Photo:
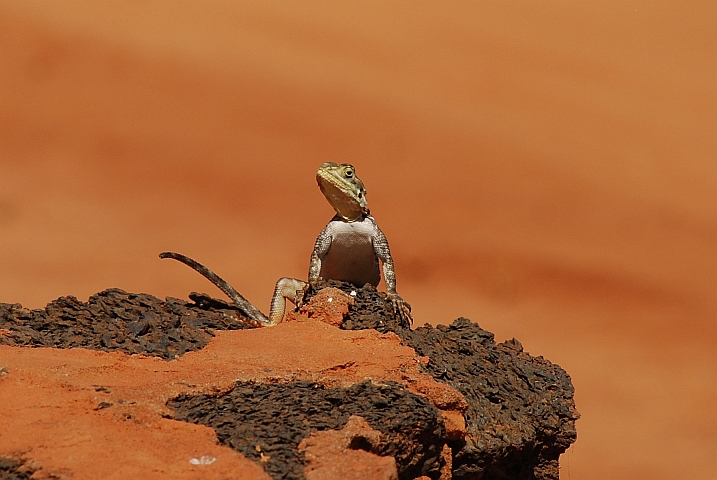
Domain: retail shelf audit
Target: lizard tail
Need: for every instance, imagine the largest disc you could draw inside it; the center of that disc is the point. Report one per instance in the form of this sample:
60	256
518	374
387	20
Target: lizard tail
242	303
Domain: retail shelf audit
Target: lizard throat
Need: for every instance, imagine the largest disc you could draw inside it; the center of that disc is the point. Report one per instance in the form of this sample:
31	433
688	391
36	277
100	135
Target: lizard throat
344	204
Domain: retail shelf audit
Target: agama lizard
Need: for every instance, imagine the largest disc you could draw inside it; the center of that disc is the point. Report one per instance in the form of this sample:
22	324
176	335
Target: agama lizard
348	249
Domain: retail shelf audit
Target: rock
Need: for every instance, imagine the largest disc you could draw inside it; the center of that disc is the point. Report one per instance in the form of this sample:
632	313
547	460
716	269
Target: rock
269	422
346	454
520	412
13	469
453	405
114	320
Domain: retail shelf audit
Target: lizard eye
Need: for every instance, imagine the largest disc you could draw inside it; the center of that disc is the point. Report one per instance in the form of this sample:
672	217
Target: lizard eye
349	173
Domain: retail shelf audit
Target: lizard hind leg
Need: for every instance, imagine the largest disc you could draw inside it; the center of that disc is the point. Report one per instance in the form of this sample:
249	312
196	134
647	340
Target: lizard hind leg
286	289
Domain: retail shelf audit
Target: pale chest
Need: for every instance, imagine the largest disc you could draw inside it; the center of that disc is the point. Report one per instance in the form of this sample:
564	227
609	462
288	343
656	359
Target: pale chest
351	256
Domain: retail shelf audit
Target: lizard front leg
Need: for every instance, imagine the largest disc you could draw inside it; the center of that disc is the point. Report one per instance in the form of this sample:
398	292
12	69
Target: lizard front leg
321	248
400	306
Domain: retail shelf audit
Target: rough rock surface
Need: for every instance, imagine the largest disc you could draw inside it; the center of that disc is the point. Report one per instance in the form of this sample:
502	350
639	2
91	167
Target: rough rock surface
267	422
12	469
68	407
521	413
345	454
369	309
515	416
114	320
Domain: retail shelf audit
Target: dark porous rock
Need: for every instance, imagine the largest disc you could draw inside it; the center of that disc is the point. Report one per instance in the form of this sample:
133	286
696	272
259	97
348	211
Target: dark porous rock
114	320
12	469
267	422
521	413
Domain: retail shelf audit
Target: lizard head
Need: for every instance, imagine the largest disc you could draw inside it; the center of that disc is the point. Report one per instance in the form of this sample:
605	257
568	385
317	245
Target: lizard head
343	189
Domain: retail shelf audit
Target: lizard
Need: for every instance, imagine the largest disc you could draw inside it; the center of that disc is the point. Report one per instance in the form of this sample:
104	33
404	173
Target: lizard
349	249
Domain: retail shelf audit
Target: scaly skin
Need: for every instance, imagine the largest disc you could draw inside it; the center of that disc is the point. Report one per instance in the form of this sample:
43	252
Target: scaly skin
348	248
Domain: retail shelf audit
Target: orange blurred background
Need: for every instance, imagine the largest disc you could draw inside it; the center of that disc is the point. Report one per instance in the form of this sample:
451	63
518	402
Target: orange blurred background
547	169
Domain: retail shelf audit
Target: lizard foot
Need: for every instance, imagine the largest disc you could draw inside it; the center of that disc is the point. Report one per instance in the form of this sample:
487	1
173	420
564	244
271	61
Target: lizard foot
303	292
401	308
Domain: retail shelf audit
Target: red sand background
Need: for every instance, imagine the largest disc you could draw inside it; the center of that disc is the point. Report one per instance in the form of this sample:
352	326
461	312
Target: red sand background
547	169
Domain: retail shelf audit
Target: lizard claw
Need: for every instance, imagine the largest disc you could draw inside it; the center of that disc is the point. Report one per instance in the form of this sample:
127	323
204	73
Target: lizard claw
401	308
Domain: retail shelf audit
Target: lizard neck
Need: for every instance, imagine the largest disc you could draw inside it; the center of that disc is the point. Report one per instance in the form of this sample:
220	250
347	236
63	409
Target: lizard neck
352	218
